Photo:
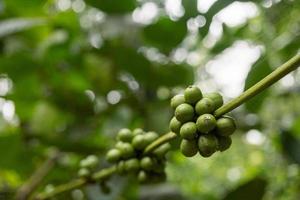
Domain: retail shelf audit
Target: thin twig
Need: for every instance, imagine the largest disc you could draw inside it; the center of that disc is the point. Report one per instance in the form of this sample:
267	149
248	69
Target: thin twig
28	188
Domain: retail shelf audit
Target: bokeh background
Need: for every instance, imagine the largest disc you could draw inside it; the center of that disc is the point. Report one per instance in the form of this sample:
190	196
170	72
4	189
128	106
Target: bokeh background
73	72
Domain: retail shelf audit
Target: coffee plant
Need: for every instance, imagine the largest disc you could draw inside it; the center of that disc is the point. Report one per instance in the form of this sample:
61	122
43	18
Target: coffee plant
164	99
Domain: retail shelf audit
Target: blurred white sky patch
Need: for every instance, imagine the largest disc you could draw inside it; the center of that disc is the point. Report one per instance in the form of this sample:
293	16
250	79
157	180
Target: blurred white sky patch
146	13
204	5
8	110
229	69
255	137
237	13
174	9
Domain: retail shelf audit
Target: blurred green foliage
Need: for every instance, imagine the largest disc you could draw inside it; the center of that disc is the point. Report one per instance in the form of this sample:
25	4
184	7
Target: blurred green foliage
73	72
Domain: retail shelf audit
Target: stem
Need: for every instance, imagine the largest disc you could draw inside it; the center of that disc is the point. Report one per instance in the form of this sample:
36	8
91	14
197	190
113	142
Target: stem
160	141
266	82
37	177
280	72
102	174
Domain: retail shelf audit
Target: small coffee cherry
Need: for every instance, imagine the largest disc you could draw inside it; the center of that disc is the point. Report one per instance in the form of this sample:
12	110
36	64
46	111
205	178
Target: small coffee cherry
207	145
137	131
84	172
127	150
205	123
224	143
184	112
161	151
132	165
119	145
139	142
113	155
189	148
150	137
217	99
192	94
188	131
177	100
142	176
147	163
125	135
89	162
175	125
121	167
225	126
204	106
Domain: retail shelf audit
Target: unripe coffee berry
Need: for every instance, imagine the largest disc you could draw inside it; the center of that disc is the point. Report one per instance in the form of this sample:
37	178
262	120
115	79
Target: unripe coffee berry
84	173
177	100
216	98
132	165
188	131
127	150
224	143
184	112
139	142
142	176
113	155
175	125
150	137
125	135
204	106
161	151
189	148
207	145
121	167
225	126
192	94
147	163
137	131
205	123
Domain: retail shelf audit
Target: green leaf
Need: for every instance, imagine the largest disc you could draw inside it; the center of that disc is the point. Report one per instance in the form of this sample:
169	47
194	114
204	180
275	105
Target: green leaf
258	71
165	34
290	146
253	189
113	6
14	25
190	8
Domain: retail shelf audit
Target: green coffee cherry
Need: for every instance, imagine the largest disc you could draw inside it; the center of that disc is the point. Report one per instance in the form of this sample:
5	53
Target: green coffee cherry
189	148
119	145
188	131
142	176
207	145
175	125
113	155
125	135
225	126
184	112
224	143
147	163
205	123
150	137
84	173
121	167
177	100
139	142
216	97
192	94
89	162
137	131
127	150
132	165
204	106
161	151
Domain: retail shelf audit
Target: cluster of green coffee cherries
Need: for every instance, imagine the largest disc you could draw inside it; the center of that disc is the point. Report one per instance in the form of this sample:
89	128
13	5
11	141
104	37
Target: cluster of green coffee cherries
129	156
195	123
87	166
